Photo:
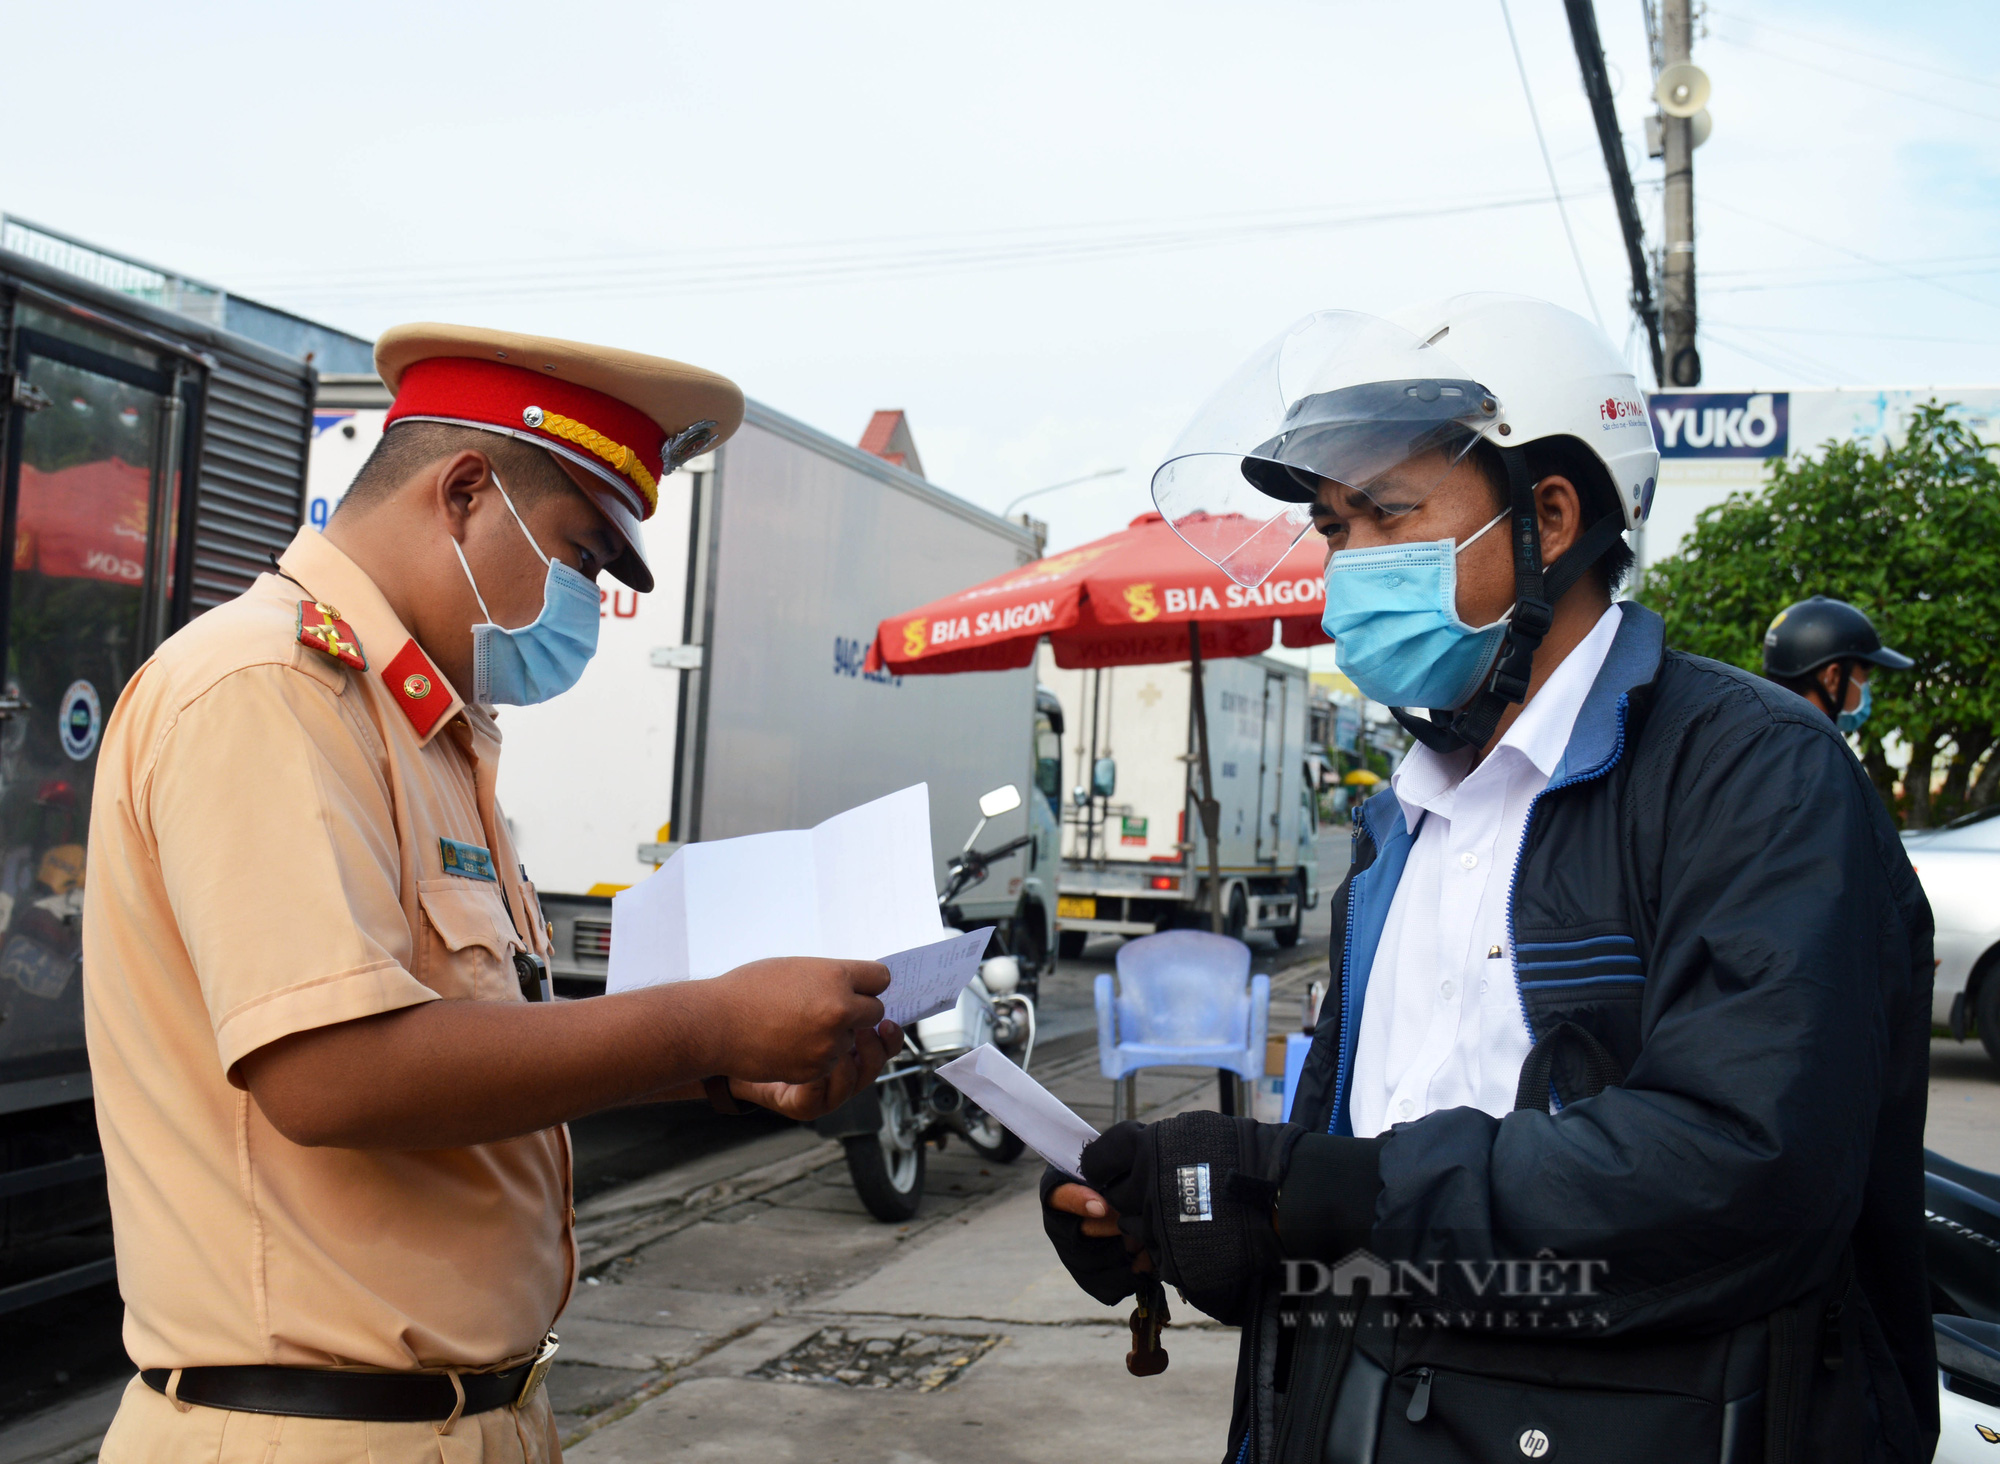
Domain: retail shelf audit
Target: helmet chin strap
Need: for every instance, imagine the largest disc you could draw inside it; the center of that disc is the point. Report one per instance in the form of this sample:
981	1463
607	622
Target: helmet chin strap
1536	592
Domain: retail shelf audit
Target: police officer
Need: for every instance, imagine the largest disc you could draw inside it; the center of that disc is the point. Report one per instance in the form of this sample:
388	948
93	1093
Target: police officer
1825	650
1609	1141
332	1105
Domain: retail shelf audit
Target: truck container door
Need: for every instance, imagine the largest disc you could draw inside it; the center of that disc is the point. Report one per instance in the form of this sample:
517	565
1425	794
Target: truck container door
1271	767
92	466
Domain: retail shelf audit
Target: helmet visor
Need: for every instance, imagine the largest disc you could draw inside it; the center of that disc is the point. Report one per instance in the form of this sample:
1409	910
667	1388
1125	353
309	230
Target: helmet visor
1340	398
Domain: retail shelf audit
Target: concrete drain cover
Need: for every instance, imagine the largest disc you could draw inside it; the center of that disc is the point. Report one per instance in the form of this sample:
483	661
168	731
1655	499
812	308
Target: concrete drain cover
919	1362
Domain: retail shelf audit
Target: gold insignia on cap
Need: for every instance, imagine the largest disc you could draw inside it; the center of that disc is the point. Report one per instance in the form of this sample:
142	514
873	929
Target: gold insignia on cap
687	443
416	686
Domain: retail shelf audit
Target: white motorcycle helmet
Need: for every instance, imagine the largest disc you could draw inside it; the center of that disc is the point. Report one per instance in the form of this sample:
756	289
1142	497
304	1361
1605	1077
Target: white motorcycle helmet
1347	396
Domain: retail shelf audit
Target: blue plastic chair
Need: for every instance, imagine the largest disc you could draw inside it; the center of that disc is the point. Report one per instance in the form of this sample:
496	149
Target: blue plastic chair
1182	1001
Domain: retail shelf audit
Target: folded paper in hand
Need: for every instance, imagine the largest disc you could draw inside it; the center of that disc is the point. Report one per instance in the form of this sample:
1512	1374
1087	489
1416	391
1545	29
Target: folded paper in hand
1035	1116
856	887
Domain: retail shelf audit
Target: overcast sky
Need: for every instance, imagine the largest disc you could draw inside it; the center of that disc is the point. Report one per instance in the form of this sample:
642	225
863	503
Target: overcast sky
1045	231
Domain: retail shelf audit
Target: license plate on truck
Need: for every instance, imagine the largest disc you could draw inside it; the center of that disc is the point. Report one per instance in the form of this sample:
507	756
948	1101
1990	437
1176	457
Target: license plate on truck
1076	907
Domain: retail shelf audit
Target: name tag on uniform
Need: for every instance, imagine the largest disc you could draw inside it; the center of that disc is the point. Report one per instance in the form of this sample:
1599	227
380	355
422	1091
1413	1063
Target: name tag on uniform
468	860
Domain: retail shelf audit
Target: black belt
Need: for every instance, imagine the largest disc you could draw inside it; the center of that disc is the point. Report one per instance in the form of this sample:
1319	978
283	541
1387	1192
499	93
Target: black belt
356	1397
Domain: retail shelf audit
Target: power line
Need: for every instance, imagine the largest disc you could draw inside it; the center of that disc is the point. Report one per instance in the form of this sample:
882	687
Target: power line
1555	188
1783	30
1843	249
1979	259
1838	281
1859	335
1797	365
806	253
1858	80
571	278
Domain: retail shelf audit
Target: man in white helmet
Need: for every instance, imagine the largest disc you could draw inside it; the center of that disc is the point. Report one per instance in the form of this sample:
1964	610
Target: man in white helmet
1610	1140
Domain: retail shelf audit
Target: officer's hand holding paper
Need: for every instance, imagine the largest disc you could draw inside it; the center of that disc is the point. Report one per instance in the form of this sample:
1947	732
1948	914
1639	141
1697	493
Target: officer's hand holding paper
856	887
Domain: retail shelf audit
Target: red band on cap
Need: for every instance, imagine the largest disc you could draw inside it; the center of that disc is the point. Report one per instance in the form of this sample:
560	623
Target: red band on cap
494	394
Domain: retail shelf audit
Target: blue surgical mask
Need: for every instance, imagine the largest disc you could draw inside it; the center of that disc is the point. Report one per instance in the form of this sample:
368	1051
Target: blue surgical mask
1393	614
1850	722
518	668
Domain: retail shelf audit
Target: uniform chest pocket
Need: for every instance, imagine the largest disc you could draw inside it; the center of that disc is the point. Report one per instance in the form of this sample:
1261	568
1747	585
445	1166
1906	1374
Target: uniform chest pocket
466	949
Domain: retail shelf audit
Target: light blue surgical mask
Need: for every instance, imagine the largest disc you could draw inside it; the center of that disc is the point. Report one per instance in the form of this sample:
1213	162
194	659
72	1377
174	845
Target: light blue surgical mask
518	668
1393	614
1850	722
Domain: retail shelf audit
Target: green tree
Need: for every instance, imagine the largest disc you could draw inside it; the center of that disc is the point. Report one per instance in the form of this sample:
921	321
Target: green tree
1911	535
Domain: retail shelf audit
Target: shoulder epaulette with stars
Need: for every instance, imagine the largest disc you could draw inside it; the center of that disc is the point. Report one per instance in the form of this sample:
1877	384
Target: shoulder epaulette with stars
321	627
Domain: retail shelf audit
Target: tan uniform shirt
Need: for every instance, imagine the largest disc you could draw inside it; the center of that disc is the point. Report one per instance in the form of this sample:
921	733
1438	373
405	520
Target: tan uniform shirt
265	859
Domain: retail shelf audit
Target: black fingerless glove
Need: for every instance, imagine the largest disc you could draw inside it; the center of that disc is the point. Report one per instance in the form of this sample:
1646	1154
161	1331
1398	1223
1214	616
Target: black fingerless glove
1197	1191
1102	1267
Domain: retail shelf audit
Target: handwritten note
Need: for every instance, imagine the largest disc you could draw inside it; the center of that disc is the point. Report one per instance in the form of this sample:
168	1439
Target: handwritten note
928	979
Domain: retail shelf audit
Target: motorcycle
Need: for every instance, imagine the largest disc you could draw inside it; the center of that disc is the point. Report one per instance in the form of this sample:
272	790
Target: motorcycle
887	1130
1962	1253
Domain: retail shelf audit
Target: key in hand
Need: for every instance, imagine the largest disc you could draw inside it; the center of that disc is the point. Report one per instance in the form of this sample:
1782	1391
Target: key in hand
1149	1318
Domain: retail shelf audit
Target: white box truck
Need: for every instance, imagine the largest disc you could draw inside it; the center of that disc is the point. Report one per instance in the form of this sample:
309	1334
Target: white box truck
1134	860
732	699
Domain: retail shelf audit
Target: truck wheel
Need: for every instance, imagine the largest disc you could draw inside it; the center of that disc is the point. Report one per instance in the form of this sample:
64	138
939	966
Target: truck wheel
1069	943
1986	1008
1029	946
888	1166
1288	935
1238	918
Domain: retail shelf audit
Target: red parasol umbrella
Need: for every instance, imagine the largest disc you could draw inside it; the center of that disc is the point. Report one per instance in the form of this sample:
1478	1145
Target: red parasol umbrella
1128	599
1136	597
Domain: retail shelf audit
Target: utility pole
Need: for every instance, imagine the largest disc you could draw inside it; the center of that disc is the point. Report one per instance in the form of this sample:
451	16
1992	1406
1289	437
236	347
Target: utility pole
1677	308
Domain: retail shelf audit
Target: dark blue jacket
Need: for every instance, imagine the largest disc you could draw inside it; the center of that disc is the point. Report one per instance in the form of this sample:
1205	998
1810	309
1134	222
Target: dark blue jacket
1710	886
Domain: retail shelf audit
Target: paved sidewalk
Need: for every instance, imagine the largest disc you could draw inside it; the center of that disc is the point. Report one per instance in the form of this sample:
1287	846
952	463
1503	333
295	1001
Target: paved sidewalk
956	1337
747	1307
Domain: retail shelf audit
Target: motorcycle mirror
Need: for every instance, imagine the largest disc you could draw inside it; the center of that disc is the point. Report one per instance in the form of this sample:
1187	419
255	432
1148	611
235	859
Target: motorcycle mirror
999	801
1104	777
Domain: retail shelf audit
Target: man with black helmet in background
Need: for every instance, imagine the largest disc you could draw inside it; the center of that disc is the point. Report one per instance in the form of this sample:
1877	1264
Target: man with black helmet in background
1824	650
1609	1144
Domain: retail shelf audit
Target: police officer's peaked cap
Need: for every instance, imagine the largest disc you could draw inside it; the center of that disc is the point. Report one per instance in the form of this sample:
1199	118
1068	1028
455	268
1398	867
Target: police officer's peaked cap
1819	632
617	421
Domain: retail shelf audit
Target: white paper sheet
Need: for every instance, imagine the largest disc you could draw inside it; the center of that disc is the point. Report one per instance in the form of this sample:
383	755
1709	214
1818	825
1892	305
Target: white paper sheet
927	980
1036	1116
857	887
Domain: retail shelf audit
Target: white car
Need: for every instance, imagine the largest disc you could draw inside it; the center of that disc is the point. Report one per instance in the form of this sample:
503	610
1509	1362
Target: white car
1959	866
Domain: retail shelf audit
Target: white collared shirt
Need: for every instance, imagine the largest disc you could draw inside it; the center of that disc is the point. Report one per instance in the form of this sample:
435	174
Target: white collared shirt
1442	1025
